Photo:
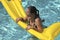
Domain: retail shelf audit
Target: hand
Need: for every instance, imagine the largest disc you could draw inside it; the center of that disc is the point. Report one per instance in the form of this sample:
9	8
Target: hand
18	19
28	27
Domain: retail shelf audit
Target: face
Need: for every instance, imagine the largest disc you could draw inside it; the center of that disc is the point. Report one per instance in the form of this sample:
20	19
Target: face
27	11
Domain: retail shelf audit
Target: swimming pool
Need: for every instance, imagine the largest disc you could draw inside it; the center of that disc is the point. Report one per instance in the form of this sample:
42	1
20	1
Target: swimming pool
9	30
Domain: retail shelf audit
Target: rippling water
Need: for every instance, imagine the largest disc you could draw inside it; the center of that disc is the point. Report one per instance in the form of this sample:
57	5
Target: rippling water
49	10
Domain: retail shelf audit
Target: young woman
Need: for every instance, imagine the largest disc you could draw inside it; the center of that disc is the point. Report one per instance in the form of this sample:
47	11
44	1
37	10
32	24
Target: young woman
33	19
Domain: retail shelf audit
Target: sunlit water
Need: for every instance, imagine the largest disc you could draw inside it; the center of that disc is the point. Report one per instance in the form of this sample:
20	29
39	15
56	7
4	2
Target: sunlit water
49	11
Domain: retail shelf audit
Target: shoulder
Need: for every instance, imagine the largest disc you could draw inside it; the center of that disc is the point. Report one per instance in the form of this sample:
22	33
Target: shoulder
37	19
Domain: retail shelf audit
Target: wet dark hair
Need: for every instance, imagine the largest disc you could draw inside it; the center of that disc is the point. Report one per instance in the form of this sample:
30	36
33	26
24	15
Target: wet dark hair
34	11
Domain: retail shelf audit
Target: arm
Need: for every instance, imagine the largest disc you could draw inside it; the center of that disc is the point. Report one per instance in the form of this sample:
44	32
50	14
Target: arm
21	19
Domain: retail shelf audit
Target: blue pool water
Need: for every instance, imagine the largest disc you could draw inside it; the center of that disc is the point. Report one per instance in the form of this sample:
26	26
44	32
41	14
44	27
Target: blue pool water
49	10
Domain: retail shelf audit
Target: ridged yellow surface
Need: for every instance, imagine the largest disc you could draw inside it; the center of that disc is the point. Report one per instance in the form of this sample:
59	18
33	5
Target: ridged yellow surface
15	10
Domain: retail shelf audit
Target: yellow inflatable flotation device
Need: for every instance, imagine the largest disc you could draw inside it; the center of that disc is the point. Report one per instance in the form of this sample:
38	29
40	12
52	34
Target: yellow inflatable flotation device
15	10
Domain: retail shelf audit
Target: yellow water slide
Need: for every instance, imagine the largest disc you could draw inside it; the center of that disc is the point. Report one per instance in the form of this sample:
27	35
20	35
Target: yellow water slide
15	10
